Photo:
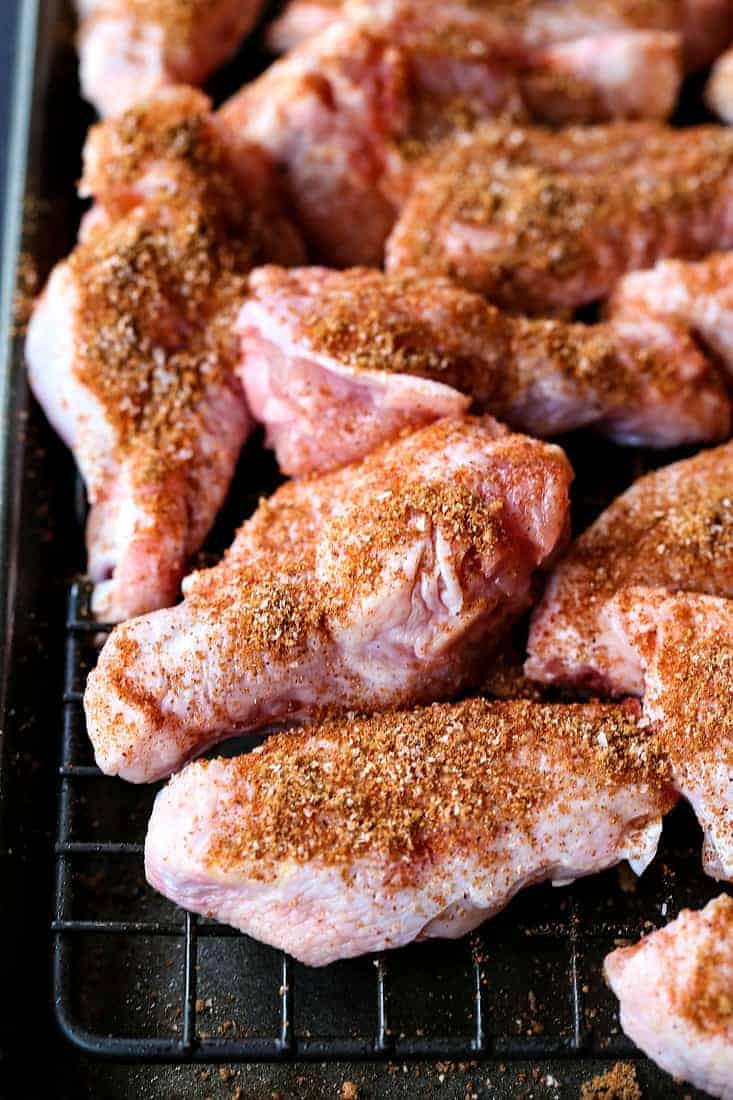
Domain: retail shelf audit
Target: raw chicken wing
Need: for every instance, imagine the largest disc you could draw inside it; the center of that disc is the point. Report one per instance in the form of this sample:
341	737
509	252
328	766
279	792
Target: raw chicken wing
381	585
131	48
366	834
672	528
334	363
349	112
684	646
538	221
173	147
675	990
706	25
698	296
130	349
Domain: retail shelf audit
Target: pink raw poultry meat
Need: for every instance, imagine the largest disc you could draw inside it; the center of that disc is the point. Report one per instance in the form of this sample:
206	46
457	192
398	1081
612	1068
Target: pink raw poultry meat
381	585
684	646
348	112
334	363
698	296
704	24
539	221
366	834
131	48
130	349
173	147
673	529
675	989
333	115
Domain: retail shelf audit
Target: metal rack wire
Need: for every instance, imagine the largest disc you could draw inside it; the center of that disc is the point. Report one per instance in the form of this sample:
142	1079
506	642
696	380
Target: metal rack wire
548	954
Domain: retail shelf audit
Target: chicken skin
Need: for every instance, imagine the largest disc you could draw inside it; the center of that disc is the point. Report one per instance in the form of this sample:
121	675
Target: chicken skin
705	25
684	646
303	19
538	221
719	92
359	835
130	351
130	48
334	363
675	990
348	113
174	148
698	296
673	529
384	584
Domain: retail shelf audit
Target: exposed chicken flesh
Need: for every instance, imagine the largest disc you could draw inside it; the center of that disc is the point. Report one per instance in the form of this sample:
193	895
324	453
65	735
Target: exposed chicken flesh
706	25
334	363
672	528
130	352
347	113
698	296
684	646
384	584
675	990
719	92
538	221
366	834
131	48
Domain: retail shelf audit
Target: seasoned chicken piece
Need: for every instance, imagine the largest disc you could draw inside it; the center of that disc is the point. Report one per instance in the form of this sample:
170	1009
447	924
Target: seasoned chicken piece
173	146
675	990
333	115
347	113
684	646
334	363
131	48
672	528
698	296
719	92
382	585
704	24
368	833
130	351
539	221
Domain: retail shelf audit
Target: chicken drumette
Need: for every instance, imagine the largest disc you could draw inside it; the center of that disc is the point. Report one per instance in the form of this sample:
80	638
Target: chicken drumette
347	114
384	584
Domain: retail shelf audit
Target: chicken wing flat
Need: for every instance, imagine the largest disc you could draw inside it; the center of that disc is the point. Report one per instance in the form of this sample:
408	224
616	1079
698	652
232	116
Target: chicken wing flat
672	528
540	221
675	990
131	48
334	363
384	584
684	646
719	92
130	348
367	834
